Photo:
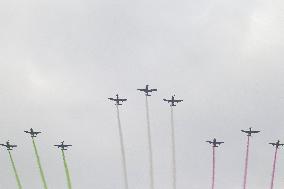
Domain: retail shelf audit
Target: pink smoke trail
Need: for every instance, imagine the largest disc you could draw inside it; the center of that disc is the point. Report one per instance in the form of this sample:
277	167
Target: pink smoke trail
273	168
213	168
246	164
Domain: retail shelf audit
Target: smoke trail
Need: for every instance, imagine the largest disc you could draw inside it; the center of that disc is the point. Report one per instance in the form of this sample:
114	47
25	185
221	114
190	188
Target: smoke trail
273	168
150	146
122	149
213	168
66	170
39	165
246	164
173	149
15	171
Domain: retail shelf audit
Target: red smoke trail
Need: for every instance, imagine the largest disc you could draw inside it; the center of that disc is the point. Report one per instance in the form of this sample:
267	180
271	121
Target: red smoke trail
273	169
246	164
213	168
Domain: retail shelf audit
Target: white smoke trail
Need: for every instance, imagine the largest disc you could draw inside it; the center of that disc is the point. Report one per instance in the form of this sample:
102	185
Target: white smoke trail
213	168
149	145
173	149
122	150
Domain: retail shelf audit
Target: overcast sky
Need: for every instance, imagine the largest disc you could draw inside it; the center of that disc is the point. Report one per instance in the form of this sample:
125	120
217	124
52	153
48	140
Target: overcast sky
61	59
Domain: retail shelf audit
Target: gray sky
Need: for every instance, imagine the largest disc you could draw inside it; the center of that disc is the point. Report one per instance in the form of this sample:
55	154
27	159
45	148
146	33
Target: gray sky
61	60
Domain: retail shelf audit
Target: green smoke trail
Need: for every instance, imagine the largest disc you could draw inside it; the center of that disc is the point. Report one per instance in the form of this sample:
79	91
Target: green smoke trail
66	170
39	165
15	171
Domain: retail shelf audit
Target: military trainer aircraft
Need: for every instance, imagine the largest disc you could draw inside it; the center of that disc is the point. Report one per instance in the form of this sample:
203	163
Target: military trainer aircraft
32	133
249	132
276	144
63	146
172	101
147	90
9	146
117	100
215	143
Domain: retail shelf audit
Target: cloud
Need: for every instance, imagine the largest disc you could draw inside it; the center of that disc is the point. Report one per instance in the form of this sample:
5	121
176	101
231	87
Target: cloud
60	61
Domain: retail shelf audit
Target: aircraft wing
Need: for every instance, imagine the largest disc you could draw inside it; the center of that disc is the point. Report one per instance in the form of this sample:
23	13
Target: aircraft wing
151	90
255	131
13	146
178	101
111	98
273	144
37	133
219	143
210	142
244	131
141	89
123	99
167	100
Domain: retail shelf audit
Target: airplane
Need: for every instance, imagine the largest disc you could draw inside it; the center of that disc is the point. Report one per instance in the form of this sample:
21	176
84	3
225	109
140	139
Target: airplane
32	133
173	101
63	146
276	144
147	90
117	100
249	132
215	143
9	146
